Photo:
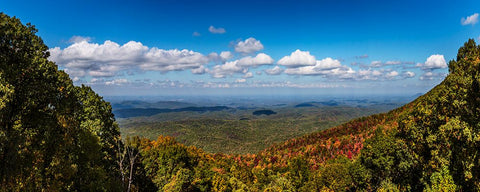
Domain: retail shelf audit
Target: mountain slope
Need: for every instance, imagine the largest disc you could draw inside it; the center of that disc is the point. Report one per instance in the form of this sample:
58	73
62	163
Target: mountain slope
436	137
430	144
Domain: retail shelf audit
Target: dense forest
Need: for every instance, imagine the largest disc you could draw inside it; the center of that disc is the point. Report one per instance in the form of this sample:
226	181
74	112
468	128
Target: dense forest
55	136
240	132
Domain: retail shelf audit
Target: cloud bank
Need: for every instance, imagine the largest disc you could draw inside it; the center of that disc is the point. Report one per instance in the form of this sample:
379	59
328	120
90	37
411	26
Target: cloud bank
105	60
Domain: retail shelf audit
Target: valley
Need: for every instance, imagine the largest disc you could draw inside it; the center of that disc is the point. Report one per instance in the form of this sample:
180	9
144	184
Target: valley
242	126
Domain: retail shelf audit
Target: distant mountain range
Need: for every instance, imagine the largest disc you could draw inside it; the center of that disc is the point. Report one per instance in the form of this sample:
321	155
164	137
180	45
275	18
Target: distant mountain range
137	112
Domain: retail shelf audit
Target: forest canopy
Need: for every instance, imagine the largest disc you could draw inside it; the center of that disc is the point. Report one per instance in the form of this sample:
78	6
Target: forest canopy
53	135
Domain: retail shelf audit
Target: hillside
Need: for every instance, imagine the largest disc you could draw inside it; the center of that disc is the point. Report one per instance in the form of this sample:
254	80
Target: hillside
240	131
430	144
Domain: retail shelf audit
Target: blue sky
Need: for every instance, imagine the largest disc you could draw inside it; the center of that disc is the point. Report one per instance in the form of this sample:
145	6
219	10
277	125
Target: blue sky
252	47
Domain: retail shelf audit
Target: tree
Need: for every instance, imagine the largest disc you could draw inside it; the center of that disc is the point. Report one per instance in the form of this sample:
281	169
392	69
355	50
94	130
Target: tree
53	135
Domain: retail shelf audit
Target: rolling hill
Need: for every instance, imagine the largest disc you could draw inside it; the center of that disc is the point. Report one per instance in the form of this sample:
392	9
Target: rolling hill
239	131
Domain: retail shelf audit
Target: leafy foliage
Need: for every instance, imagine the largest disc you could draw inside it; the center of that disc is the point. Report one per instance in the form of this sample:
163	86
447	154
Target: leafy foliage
53	136
230	134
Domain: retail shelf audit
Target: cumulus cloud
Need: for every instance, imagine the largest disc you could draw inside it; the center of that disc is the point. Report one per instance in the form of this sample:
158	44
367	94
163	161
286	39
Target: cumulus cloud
433	62
226	55
298	59
325	67
274	71
214	30
220	58
408	74
369	75
248	75
327	63
250	45
105	60
196	34
391	74
199	70
260	59
240	66
227	69
470	20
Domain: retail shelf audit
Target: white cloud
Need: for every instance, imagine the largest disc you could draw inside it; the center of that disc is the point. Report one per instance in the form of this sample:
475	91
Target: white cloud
260	59
227	69
199	70
95	80
75	72
116	82
369	75
196	34
382	74
78	39
101	73
470	20
248	75
75	79
393	63
327	67
433	62
298	59
226	55
262	84
240	66
170	60
240	81
327	63
250	45
101	60
274	71
391	74
214	30
408	74
376	64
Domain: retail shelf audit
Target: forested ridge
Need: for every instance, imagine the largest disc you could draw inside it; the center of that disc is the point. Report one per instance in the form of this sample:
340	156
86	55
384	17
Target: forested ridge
55	136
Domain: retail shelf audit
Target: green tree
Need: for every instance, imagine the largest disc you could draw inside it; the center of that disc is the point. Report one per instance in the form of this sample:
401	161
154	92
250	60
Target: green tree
51	136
